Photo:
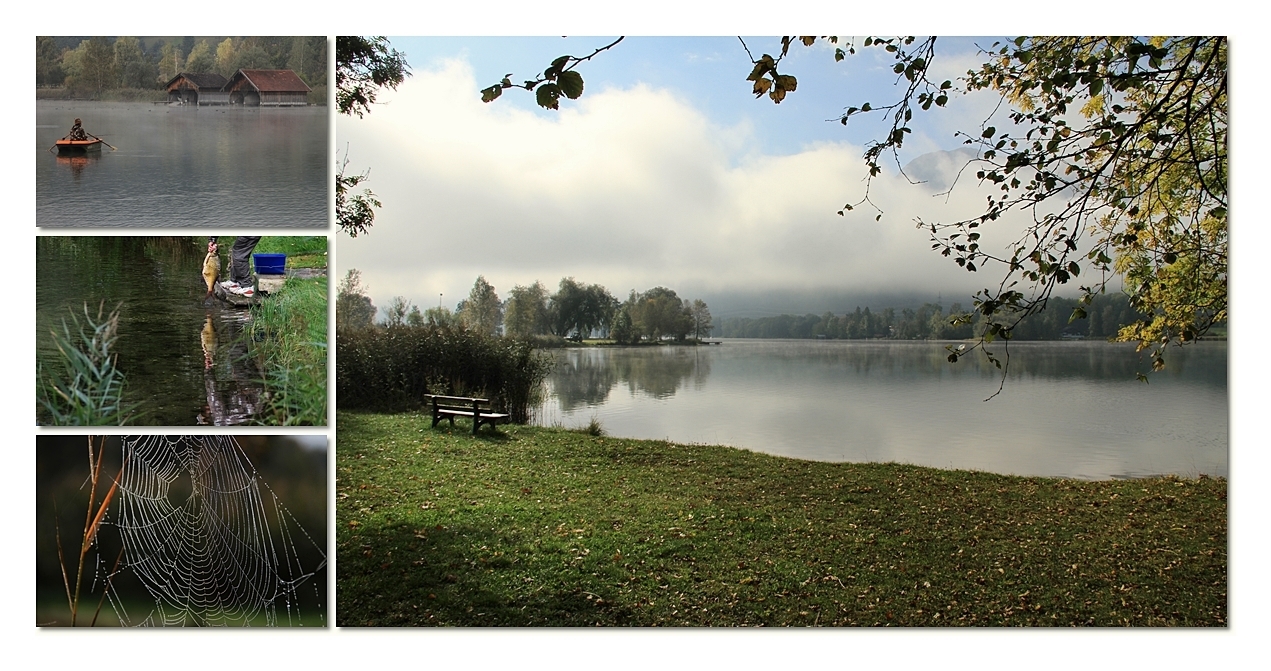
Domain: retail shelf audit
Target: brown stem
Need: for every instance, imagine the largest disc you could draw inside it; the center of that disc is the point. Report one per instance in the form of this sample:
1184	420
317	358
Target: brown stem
61	560
106	590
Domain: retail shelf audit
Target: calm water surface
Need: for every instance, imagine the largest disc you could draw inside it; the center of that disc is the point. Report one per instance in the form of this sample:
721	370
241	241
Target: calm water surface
184	166
185	360
1069	409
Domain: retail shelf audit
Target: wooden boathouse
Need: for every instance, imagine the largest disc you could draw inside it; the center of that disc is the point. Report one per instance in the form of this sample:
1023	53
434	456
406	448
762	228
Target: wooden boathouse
198	88
266	88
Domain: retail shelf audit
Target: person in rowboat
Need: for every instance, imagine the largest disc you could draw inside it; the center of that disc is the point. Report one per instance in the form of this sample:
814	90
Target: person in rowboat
77	132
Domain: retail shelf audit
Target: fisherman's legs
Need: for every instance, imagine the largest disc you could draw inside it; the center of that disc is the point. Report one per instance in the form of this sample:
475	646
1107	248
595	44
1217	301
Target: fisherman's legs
241	259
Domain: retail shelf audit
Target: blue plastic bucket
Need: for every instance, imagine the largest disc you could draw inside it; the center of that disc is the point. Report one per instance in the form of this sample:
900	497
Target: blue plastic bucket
270	264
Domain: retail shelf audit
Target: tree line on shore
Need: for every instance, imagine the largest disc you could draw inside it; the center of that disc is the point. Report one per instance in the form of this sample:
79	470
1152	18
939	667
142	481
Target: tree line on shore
90	67
1104	317
574	312
578	310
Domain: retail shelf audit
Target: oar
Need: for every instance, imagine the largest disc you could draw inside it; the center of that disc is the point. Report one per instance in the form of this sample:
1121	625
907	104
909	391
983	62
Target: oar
55	144
102	141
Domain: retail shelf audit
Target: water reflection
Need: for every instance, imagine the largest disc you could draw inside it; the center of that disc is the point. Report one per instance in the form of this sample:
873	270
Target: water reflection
185	363
207	338
77	164
1070	409
584	377
232	388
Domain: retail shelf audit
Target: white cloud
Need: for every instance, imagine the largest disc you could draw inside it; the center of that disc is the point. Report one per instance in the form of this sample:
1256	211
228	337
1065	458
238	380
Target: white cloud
629	188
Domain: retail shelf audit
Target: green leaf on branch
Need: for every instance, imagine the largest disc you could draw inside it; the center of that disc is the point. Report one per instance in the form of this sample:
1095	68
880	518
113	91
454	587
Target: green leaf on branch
571	84
548	96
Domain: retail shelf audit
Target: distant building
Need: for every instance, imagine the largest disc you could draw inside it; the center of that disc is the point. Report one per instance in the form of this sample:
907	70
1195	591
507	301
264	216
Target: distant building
197	88
266	88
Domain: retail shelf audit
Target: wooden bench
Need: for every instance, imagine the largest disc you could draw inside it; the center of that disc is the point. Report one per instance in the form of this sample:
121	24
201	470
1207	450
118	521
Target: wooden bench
450	407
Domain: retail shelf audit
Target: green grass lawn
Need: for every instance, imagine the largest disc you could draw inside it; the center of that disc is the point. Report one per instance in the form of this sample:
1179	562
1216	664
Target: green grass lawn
303	251
51	611
534	526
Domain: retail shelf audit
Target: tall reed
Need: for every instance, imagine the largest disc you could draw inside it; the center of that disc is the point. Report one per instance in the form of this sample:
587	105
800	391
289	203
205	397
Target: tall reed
89	389
289	336
389	369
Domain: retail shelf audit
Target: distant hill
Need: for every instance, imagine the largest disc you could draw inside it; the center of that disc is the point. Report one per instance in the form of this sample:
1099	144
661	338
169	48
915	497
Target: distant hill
770	303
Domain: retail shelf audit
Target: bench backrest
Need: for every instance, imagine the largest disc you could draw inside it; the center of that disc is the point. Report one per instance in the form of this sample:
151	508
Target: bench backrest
460	401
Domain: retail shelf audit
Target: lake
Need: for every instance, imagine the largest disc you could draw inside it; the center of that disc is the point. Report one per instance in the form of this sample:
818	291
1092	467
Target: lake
1068	409
185	360
183	166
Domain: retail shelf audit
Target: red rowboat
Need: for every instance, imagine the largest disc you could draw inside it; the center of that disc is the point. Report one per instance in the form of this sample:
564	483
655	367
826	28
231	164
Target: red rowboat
71	147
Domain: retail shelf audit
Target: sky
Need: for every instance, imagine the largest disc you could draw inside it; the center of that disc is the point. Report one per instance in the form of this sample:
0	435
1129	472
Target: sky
666	172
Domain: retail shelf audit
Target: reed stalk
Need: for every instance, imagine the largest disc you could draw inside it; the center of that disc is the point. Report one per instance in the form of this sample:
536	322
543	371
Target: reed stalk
88	391
94	514
389	369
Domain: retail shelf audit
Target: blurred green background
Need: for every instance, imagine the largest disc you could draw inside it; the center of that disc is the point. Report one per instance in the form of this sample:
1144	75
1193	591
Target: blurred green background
293	467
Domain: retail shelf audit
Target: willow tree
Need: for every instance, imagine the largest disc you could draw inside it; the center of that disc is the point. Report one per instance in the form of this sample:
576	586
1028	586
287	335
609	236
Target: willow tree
577	309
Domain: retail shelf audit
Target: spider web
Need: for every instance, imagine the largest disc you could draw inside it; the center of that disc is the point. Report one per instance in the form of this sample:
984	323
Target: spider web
208	539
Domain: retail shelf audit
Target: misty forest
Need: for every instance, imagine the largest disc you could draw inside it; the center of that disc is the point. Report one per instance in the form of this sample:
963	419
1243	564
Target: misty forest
137	68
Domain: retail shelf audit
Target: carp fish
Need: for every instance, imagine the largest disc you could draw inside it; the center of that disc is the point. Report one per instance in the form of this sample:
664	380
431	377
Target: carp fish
211	268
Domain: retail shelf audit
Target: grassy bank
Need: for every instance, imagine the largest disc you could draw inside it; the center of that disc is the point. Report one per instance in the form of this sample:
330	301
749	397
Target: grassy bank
536	526
108	95
289	337
303	251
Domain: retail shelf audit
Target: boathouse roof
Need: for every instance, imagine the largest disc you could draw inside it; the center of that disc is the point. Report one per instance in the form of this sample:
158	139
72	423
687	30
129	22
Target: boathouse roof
267	81
202	81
